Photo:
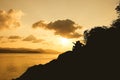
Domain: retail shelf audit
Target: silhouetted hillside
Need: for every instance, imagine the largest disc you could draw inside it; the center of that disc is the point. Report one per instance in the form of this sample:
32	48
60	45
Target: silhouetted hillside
98	59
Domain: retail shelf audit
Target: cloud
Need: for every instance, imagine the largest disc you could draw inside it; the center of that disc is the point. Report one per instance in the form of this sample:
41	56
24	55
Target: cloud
12	41
39	24
1	37
37	40
3	41
14	37
30	38
33	39
10	19
66	28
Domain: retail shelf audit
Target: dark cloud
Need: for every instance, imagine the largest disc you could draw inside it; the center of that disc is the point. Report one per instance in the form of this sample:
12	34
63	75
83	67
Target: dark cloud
3	41
14	37
1	37
66	28
30	38
12	41
39	24
10	19
37	41
33	39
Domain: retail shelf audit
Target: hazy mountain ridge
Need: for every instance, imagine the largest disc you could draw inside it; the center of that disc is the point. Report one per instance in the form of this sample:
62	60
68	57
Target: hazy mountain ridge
25	50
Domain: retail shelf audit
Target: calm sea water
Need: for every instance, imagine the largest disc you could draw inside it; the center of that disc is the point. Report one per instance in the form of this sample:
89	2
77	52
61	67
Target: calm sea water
13	65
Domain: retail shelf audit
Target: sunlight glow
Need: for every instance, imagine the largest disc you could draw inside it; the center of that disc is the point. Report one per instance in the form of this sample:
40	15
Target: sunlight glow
64	41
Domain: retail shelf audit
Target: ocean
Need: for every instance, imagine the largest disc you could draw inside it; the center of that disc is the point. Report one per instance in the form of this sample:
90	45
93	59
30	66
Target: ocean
12	65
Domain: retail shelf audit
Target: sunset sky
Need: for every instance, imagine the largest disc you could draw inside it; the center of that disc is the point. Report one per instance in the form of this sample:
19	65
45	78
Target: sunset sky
51	24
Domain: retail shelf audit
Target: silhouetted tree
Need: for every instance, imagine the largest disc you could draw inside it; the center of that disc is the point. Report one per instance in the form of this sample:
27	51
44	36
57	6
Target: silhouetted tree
77	47
94	34
116	23
118	10
99	58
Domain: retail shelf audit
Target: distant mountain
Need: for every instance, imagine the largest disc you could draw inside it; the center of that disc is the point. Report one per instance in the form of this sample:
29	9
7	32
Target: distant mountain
51	51
19	50
25	50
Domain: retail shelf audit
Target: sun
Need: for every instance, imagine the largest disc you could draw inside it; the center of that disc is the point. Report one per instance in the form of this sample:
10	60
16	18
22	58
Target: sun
64	41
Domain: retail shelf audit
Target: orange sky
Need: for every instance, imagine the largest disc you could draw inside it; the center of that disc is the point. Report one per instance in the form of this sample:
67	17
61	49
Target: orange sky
58	23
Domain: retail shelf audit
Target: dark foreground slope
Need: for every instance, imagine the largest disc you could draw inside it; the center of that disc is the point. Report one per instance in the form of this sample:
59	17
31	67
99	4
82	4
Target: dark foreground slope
99	59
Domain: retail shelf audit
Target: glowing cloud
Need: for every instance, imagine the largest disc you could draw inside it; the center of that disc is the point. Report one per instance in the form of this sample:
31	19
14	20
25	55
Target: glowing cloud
65	28
10	19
